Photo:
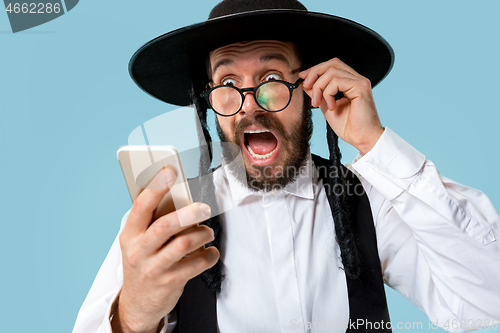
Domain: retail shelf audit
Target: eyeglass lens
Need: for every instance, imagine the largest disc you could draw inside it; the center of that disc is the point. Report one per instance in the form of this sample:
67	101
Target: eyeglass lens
272	96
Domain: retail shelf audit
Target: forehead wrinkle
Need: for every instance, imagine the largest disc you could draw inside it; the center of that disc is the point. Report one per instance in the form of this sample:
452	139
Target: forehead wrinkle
263	59
277	50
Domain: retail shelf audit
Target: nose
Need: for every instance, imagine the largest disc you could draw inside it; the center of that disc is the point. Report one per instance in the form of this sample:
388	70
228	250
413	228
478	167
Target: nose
249	104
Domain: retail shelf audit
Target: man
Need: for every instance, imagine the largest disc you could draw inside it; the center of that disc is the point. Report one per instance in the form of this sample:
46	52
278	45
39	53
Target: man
285	267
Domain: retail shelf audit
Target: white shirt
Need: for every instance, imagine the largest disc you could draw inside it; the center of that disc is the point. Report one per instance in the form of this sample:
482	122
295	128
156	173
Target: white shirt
435	237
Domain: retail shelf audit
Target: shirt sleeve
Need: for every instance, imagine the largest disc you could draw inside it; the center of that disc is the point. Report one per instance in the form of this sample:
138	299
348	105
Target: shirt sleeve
436	238
98	308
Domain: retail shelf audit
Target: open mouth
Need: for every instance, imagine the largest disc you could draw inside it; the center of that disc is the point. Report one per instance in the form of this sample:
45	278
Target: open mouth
262	145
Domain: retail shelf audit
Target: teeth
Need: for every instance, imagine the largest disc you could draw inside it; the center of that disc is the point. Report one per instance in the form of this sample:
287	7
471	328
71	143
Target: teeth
260	157
257	131
257	156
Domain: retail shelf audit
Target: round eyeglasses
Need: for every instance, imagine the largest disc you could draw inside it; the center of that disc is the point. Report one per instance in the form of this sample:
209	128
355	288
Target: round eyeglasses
272	96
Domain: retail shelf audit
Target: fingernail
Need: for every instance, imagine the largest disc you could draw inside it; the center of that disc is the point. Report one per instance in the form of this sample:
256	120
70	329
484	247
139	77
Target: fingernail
167	177
205	209
213	255
213	235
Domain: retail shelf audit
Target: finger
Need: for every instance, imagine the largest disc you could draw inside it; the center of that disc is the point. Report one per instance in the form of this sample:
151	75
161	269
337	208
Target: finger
192	266
339	95
331	75
169	225
337	63
350	87
317	71
184	244
317	92
331	99
358	83
311	77
303	74
353	88
329	96
313	73
319	86
308	92
332	93
144	205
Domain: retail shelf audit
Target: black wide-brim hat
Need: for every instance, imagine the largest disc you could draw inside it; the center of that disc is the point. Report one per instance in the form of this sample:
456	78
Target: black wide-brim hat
168	66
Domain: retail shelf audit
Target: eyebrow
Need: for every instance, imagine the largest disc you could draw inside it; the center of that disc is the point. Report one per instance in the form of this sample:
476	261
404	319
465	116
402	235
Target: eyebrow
274	56
264	58
223	62
279	57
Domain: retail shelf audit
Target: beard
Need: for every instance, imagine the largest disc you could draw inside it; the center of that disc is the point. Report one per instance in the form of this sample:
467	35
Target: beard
294	148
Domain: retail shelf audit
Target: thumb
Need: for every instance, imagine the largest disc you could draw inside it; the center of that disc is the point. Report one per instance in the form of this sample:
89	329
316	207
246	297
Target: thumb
308	92
303	74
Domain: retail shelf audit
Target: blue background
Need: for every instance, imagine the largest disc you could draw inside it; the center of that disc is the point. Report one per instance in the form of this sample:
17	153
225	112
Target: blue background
67	103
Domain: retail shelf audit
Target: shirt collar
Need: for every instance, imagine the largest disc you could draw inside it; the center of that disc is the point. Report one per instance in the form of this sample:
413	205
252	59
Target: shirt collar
301	187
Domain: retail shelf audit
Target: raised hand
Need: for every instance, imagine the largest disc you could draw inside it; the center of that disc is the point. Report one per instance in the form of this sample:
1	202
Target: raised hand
354	117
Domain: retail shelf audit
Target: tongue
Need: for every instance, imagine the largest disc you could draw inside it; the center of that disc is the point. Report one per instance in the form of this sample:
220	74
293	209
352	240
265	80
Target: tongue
262	143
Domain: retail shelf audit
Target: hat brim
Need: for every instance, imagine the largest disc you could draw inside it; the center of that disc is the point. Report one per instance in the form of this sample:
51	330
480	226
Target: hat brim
166	66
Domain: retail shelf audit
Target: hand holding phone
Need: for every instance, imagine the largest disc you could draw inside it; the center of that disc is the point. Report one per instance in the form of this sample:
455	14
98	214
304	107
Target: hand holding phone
154	255
140	164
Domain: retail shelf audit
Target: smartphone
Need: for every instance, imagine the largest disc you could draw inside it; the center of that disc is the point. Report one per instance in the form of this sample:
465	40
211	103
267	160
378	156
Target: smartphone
140	164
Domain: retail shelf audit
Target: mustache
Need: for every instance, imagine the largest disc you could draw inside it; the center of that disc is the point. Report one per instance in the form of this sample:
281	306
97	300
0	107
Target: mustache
263	120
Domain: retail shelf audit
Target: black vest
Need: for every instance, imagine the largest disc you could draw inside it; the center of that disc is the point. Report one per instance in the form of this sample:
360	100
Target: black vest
196	309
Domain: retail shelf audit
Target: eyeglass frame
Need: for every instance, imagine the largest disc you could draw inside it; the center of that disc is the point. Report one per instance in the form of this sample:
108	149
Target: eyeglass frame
291	87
